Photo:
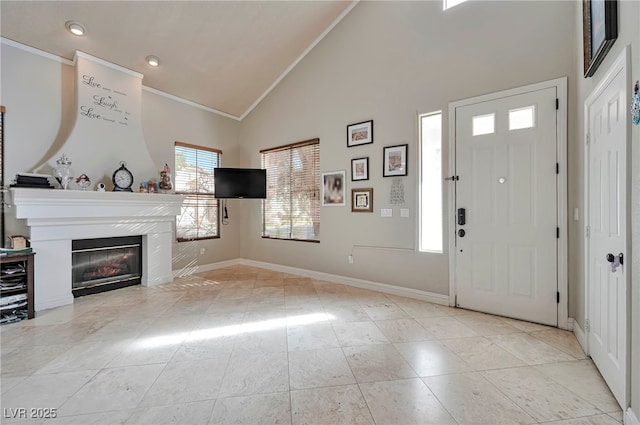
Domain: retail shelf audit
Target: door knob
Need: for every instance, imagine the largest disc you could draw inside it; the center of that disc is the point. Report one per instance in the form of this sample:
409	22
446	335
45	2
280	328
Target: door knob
611	258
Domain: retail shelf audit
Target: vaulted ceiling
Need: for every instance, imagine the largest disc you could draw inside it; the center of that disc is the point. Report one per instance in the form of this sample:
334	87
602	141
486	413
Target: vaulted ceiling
225	55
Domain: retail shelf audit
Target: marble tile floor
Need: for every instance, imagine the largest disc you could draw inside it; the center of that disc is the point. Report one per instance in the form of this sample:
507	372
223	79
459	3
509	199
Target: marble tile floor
243	345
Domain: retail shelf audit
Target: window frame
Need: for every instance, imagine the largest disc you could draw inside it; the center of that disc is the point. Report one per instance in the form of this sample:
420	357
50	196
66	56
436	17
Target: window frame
290	147
206	196
421	201
533	108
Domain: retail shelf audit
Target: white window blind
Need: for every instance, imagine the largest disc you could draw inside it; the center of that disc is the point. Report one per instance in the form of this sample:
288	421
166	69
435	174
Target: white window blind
292	207
199	218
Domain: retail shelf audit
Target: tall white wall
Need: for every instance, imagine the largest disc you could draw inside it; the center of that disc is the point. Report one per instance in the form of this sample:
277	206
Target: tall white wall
390	61
38	93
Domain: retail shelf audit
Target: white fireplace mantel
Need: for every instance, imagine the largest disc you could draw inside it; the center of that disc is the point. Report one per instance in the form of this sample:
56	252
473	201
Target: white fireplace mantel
57	217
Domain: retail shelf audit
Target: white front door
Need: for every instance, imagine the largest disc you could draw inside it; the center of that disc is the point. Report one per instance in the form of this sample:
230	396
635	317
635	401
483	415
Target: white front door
506	246
607	232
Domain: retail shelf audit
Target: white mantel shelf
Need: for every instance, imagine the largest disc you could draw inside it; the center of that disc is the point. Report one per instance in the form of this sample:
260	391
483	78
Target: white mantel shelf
38	204
57	217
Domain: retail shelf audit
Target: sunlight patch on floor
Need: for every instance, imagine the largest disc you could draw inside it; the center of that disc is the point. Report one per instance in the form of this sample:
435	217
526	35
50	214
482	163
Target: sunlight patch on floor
231	330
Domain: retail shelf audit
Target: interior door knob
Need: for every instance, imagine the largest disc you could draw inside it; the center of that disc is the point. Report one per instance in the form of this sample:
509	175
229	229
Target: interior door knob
611	258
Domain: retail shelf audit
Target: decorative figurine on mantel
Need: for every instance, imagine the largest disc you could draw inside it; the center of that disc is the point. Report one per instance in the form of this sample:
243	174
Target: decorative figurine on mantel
62	172
83	181
165	179
148	187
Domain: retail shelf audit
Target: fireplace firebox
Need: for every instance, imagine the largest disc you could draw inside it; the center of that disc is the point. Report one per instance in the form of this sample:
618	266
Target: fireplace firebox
105	264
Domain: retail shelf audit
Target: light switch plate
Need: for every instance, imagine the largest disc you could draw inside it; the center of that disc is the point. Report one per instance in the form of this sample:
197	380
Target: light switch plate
386	212
404	212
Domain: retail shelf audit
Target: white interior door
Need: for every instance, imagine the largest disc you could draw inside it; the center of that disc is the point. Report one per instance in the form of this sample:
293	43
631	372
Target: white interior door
506	253
607	231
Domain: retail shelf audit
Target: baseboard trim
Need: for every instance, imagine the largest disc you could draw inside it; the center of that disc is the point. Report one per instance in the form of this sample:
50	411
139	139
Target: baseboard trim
195	268
344	280
350	281
630	418
570	322
581	336
159	280
53	303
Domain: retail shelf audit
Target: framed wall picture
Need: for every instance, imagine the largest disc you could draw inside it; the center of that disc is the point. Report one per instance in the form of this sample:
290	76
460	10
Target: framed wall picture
333	189
362	200
360	169
599	31
395	161
360	133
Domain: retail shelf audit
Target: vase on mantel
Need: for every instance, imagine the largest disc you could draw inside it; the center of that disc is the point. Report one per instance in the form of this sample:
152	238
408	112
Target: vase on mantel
62	172
165	184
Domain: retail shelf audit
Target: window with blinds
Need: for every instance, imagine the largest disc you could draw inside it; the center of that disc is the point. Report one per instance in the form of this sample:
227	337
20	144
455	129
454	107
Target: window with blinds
199	217
292	207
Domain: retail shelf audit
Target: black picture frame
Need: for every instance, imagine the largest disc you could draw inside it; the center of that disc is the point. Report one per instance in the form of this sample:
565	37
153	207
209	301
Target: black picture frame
360	169
360	133
599	31
395	160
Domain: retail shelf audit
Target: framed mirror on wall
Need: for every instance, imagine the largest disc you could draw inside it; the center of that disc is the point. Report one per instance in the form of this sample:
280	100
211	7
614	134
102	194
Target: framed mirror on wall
599	31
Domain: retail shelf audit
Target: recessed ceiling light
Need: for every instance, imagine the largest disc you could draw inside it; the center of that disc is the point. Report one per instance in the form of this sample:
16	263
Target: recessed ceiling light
76	28
152	60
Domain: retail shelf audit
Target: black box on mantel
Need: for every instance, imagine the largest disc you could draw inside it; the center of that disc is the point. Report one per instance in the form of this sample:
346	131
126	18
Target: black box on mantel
32	180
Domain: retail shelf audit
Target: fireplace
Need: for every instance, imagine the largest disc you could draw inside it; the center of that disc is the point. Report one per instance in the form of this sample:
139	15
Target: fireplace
56	218
105	264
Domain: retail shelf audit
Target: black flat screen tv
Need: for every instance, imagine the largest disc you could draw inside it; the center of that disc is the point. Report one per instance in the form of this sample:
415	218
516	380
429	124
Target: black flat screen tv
233	183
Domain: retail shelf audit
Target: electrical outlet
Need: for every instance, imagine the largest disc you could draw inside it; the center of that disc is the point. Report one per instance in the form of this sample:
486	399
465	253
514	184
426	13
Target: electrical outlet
202	251
386	212
404	212
350	259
